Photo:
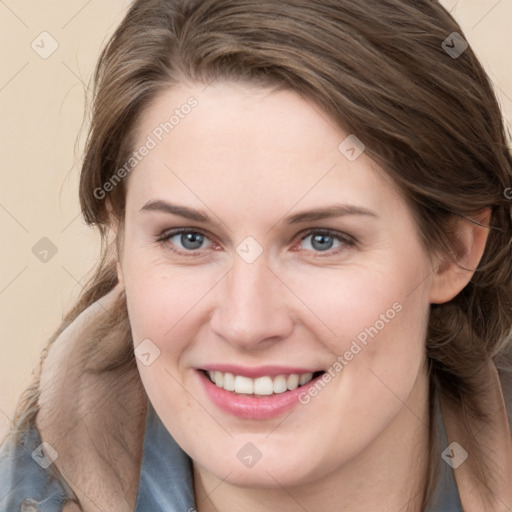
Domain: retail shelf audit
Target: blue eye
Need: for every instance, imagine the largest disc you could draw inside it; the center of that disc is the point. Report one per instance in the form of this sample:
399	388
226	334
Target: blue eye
190	242
322	240
188	239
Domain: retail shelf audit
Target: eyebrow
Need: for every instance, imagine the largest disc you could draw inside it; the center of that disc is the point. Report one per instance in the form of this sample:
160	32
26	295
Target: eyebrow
337	210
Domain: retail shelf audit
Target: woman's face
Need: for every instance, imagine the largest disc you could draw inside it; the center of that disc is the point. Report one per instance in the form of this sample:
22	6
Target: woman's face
259	249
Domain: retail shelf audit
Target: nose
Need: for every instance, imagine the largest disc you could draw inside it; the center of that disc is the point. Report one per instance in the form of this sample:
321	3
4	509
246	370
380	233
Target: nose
252	310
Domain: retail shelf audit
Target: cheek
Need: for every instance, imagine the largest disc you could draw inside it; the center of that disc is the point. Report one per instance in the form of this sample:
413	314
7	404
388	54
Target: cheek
373	321
162	307
363	304
162	299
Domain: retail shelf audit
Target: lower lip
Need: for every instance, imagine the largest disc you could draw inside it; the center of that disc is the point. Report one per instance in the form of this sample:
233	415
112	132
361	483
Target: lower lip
253	408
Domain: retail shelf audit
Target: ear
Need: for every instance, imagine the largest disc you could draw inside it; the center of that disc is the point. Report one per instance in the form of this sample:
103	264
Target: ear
119	270
454	271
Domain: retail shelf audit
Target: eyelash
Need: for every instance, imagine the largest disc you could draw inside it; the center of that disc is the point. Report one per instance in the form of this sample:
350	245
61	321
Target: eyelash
346	240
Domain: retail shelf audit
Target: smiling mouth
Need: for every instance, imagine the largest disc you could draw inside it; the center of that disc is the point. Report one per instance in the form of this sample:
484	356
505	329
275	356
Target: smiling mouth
260	386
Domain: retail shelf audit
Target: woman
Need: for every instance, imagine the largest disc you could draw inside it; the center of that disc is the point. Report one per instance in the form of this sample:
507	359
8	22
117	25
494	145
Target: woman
305	288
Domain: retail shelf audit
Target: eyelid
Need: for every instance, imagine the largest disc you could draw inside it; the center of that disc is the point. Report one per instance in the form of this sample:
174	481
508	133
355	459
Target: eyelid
344	237
171	233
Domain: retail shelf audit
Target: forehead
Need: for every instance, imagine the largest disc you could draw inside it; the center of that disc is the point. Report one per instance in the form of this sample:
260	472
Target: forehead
242	117
247	142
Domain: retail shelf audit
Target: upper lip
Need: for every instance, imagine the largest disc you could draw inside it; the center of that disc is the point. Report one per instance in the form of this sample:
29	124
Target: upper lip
257	371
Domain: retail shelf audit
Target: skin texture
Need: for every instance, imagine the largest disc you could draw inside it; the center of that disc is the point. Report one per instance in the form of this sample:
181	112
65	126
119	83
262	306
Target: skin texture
249	157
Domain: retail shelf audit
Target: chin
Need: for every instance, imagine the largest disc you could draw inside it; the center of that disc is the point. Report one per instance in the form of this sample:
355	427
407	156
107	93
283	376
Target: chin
275	472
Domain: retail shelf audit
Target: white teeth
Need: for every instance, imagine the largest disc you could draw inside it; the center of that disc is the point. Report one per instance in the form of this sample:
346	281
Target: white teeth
261	386
229	382
292	382
305	378
280	384
244	385
219	379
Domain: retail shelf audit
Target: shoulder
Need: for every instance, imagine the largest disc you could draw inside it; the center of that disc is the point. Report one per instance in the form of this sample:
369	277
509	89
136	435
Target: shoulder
86	419
484	438
27	479
94	418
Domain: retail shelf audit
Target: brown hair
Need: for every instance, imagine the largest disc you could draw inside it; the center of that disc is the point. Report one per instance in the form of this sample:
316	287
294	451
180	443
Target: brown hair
379	70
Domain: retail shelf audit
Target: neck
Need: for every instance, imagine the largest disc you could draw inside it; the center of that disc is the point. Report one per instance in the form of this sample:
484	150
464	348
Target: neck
390	474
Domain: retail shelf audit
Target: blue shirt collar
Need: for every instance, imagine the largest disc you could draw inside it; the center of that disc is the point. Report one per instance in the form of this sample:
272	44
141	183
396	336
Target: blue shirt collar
166	481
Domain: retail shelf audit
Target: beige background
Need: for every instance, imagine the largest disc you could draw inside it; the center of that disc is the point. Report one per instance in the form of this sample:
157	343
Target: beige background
41	118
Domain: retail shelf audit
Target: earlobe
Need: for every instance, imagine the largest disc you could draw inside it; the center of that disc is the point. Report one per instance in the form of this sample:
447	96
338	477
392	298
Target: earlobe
118	255
454	271
120	276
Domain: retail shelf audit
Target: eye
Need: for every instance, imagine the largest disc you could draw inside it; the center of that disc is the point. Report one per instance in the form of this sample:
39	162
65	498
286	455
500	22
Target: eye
185	240
324	240
189	241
